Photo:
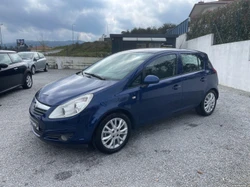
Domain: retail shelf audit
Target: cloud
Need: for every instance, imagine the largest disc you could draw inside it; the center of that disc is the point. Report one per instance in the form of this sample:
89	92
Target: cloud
53	19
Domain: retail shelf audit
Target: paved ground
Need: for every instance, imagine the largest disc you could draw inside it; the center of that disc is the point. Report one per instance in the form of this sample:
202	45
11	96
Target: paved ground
186	150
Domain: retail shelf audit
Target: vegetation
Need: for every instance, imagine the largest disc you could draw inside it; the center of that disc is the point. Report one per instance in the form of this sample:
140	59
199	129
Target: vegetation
229	24
87	49
151	30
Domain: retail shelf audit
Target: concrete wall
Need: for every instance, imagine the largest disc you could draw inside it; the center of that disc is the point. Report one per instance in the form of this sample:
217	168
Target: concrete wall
63	62
231	60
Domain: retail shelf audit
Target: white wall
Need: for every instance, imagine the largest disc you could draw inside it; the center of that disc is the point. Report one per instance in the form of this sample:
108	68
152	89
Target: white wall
231	60
63	62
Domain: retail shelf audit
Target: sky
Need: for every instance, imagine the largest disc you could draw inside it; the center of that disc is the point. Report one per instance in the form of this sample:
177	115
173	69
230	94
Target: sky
87	20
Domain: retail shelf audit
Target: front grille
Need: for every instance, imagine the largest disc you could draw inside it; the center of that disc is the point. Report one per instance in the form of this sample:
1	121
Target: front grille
39	108
39	111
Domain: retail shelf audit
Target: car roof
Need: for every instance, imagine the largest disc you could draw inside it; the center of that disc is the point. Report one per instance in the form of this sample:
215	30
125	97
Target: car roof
6	51
161	50
27	52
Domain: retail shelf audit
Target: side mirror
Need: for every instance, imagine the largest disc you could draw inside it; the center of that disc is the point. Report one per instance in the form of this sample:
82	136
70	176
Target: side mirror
3	66
151	79
35	59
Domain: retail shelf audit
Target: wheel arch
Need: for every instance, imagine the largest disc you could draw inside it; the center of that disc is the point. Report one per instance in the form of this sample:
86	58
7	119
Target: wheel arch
118	110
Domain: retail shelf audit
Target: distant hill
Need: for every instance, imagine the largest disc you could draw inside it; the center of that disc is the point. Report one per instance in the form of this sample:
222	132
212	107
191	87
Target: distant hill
47	43
87	49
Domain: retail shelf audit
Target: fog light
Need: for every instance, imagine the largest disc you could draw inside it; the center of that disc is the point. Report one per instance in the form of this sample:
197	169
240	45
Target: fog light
66	137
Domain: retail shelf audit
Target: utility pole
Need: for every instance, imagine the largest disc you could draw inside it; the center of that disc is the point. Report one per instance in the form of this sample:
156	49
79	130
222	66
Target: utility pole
1	38
73	33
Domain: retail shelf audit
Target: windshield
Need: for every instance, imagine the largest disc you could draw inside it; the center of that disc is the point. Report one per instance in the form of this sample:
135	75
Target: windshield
117	66
26	55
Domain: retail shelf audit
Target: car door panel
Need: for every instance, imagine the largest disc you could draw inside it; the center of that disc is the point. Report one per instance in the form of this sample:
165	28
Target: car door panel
194	84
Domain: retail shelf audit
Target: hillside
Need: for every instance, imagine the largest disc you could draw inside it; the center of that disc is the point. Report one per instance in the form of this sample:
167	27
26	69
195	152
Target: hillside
87	49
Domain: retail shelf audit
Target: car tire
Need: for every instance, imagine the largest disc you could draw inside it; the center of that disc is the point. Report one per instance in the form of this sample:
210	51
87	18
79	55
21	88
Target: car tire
208	104
28	82
113	133
33	70
46	68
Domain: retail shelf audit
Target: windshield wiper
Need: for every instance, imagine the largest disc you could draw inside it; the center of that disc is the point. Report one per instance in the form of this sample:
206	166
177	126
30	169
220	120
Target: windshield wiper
94	75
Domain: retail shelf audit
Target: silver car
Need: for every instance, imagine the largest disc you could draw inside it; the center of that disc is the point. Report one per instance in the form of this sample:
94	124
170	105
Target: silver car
36	61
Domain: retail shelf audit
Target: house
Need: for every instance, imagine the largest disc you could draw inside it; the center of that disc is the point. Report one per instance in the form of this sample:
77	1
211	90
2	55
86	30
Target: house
198	9
202	7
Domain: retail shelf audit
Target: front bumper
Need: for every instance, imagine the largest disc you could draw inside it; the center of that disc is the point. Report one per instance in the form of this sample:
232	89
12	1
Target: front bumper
73	130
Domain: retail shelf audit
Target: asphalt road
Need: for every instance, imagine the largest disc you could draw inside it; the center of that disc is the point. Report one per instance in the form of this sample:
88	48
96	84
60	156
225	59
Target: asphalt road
185	150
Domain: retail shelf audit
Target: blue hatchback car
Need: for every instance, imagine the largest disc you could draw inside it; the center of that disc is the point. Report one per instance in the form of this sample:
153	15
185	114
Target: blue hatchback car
129	89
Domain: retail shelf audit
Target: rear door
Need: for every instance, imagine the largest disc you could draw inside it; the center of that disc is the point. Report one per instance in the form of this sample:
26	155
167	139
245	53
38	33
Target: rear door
159	100
194	79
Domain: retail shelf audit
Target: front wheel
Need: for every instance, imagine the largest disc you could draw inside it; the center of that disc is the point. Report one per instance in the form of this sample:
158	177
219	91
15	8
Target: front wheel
113	133
28	82
46	68
33	70
208	104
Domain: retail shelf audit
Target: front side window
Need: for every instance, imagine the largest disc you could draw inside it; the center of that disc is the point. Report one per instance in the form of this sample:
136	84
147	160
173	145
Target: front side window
163	67
36	56
5	59
191	63
41	55
15	58
117	66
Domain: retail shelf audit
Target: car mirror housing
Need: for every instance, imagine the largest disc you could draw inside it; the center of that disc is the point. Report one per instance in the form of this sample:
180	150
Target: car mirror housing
3	66
151	79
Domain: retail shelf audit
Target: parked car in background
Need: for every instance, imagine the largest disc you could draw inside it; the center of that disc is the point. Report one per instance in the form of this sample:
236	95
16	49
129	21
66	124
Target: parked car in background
102	103
36	61
14	72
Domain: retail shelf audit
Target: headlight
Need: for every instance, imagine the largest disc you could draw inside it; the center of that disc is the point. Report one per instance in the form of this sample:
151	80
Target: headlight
72	107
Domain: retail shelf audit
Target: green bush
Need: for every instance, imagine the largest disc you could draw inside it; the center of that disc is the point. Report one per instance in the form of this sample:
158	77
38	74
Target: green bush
229	23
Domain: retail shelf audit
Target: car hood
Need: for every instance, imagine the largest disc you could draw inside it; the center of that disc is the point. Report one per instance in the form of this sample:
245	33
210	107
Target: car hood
70	87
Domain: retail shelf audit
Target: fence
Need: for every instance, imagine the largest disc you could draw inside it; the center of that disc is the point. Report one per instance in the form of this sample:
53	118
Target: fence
231	60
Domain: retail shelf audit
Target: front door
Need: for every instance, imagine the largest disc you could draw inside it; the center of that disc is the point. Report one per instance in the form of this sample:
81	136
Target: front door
6	74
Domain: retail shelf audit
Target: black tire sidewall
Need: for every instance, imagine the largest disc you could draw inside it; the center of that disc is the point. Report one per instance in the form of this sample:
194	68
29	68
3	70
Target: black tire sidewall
33	70
25	82
97	136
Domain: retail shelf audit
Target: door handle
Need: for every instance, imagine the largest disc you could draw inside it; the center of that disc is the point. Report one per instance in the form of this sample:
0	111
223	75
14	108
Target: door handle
203	79
15	68
176	87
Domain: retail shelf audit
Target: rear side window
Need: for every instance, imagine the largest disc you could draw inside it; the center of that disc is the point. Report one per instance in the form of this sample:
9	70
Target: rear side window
191	63
15	58
5	59
163	67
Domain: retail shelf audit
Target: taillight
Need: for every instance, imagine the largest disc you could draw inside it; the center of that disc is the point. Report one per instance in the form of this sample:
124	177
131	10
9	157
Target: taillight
214	70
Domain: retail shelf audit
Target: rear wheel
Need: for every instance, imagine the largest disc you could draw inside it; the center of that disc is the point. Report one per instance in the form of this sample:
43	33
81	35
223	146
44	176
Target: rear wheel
208	104
33	70
113	133
28	82
46	67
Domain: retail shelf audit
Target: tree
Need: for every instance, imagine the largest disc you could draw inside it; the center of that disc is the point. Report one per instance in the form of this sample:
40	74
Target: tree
150	30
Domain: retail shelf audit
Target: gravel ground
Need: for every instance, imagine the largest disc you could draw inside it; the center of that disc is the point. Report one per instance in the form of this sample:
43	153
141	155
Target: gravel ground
185	150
